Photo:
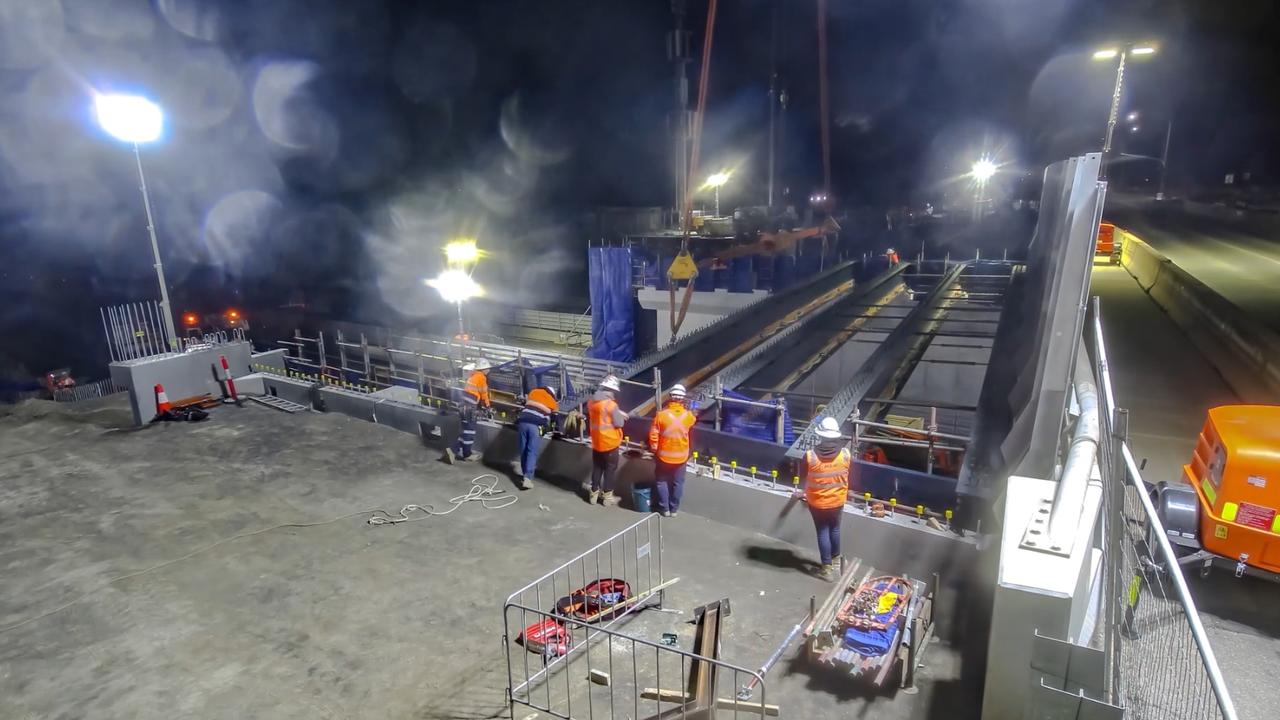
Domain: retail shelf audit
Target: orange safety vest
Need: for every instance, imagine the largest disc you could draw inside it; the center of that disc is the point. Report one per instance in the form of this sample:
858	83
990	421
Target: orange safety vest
827	483
605	436
538	407
477	388
669	436
875	454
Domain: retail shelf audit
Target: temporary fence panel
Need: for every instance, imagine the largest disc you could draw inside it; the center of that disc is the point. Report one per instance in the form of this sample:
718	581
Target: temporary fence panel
101	388
613	311
573	663
134	330
1159	663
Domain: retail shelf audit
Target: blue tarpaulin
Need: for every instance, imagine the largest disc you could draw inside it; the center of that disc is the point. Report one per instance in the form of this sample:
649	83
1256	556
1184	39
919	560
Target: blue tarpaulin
753	421
613	332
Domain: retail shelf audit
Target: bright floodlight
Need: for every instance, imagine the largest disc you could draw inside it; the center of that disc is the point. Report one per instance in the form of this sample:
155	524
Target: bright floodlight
718	179
455	286
461	252
130	118
983	170
1105	54
1146	50
1132	116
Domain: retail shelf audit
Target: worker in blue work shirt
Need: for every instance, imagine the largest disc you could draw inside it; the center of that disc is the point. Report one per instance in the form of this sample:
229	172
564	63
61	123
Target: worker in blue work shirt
538	414
473	399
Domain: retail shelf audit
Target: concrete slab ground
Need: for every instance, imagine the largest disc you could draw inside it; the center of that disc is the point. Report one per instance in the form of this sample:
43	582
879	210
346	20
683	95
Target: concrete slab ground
225	570
1167	387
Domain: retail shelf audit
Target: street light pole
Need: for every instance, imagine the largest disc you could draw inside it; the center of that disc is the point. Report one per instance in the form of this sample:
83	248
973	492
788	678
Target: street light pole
1115	103
167	312
1164	160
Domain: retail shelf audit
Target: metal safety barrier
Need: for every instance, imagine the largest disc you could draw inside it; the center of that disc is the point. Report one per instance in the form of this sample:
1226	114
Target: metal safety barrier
134	330
101	388
1158	661
584	668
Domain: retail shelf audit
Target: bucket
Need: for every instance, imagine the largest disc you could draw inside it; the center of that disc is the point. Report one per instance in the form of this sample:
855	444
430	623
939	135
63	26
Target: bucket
640	495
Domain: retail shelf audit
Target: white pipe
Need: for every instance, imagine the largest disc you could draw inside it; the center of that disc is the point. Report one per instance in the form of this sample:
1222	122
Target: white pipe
1068	499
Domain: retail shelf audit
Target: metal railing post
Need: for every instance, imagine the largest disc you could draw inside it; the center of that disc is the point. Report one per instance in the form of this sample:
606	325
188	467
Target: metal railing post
933	429
780	421
364	349
324	362
342	353
718	388
657	389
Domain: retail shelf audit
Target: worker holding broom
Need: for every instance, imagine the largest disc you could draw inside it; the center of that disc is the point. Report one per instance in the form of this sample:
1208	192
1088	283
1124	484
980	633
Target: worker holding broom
669	442
538	413
474	399
607	421
826	488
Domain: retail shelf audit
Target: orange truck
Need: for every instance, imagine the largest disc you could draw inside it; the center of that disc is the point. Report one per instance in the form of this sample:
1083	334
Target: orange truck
1107	244
1226	510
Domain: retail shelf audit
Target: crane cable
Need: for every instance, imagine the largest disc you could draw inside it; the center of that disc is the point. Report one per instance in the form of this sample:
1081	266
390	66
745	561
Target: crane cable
704	74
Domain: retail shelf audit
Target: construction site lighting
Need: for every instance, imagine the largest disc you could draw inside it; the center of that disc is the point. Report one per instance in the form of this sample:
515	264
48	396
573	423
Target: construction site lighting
1145	50
983	170
1106	54
461	252
129	118
718	179
455	286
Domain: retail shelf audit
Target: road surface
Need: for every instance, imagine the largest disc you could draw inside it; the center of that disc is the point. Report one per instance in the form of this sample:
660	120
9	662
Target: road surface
1167	387
1237	257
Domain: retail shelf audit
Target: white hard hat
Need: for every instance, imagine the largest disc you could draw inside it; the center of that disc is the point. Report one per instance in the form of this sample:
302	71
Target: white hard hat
469	367
610	383
677	391
828	428
482	364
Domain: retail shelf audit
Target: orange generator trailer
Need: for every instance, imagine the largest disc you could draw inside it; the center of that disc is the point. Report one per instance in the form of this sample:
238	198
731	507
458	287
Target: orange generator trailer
1227	507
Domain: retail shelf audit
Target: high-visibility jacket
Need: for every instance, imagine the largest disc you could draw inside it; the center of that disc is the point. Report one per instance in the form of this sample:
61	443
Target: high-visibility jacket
669	436
538	408
476	391
827	482
606	422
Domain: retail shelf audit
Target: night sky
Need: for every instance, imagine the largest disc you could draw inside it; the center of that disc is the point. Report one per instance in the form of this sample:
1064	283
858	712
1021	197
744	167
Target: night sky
324	151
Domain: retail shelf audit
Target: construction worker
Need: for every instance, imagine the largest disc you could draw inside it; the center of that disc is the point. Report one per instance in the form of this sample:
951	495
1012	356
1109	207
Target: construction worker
473	399
539	413
892	256
669	442
826	488
607	421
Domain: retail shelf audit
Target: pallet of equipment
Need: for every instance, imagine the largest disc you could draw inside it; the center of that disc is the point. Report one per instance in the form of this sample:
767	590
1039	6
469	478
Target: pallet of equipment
824	636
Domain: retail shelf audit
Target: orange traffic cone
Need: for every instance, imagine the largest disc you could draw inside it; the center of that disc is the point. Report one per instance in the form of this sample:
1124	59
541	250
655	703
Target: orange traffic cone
162	401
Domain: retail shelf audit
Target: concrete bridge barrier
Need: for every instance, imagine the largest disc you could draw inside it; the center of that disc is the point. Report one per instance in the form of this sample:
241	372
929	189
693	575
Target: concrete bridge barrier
1245	351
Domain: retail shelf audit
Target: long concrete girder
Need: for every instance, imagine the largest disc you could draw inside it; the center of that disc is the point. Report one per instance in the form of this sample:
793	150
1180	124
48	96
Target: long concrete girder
883	363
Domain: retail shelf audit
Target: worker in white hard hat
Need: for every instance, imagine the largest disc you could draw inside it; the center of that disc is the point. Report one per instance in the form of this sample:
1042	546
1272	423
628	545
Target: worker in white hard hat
826	488
607	421
669	441
473	399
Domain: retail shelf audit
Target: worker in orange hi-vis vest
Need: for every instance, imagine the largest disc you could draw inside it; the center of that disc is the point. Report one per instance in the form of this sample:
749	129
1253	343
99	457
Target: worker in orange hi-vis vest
540	412
826	488
607	421
669	441
473	398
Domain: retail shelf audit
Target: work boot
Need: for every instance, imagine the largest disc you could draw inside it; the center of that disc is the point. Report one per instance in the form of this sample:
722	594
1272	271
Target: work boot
526	483
827	573
448	456
593	497
608	499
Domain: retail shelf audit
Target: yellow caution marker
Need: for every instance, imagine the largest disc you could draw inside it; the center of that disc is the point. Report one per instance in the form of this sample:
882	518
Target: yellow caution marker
948	514
893	504
795	480
920	511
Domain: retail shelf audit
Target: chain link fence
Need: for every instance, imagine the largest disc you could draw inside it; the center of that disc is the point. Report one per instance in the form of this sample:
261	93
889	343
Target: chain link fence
1159	663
